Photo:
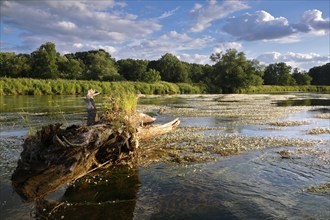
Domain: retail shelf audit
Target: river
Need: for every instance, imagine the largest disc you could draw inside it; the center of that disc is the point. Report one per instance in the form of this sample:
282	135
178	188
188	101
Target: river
241	174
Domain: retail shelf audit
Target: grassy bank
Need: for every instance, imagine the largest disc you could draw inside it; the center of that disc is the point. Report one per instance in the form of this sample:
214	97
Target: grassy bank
27	86
274	89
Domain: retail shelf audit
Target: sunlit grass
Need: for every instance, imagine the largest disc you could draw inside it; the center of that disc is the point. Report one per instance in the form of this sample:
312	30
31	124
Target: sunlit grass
27	86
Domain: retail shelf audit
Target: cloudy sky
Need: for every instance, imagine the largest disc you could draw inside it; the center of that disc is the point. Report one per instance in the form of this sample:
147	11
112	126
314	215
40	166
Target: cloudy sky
295	31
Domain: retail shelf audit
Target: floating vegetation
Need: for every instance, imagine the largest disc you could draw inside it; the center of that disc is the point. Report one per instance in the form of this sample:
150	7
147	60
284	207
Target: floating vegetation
288	123
318	155
322	116
186	145
194	144
285	154
237	108
319	131
323	188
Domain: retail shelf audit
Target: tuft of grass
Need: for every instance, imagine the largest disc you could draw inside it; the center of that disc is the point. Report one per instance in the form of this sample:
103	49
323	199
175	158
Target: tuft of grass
32	130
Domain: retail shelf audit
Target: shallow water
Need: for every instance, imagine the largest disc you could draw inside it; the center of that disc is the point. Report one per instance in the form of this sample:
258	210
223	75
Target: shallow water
257	184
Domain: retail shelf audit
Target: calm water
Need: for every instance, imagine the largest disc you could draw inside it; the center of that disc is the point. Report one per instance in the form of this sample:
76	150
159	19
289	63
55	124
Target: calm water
254	185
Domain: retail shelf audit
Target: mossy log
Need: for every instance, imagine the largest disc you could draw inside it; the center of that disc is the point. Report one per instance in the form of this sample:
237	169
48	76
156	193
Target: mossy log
56	156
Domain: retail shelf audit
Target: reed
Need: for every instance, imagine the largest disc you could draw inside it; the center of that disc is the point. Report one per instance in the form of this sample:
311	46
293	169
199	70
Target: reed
28	86
275	89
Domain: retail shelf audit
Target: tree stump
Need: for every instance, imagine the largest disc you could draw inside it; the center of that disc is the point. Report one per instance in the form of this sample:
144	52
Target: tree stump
56	156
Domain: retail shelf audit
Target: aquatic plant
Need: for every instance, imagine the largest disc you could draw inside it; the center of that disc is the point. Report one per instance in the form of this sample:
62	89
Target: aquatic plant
321	188
289	123
322	116
26	120
315	131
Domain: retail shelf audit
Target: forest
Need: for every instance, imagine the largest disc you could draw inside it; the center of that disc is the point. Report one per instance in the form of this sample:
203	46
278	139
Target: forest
231	71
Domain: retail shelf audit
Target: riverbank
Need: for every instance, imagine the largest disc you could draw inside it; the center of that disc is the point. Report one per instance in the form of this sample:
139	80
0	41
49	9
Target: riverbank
275	89
28	86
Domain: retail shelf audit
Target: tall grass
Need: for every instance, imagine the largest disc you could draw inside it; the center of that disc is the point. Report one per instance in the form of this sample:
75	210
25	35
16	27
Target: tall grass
275	89
28	86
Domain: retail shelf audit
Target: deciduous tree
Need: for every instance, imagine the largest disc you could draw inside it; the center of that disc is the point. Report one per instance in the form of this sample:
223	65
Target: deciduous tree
278	74
320	75
233	71
172	69
44	62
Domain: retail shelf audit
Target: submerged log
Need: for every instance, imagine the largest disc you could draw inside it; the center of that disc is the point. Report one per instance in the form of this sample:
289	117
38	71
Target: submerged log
56	156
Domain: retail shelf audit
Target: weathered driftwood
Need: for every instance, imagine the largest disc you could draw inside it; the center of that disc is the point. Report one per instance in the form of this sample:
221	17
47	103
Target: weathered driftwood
56	156
92	116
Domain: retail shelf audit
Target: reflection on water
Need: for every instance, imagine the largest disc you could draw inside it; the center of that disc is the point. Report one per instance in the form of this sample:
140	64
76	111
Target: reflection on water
102	195
304	102
254	185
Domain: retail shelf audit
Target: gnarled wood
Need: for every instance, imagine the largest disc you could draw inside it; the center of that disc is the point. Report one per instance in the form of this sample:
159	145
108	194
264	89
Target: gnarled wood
56	156
92	116
155	130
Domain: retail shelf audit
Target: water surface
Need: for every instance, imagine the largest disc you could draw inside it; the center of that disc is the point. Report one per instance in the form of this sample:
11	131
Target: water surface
257	184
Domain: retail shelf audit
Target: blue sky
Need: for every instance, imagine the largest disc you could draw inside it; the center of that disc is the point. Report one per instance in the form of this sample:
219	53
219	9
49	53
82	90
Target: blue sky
295	31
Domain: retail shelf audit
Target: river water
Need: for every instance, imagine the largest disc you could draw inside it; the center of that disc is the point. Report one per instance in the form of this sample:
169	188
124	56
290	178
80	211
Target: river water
256	183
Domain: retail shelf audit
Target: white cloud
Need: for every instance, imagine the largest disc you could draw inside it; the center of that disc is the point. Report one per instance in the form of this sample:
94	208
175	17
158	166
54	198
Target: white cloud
96	21
111	50
312	21
258	26
174	41
195	58
171	42
66	25
204	16
196	7
261	25
168	13
78	45
300	60
222	47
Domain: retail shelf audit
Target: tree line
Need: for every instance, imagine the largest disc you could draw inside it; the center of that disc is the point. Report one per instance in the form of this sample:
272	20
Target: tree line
230	72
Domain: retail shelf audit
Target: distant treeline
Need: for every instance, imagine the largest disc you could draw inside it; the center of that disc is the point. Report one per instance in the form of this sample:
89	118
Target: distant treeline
232	72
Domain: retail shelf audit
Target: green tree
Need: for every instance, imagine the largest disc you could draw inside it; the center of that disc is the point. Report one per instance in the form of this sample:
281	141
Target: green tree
98	65
233	71
13	65
172	69
255	72
278	74
132	70
301	78
197	73
70	68
320	75
151	76
44	62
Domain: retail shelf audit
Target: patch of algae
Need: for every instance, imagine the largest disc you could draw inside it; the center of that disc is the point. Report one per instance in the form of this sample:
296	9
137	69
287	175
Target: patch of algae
323	116
240	108
322	188
319	131
288	123
192	144
187	145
